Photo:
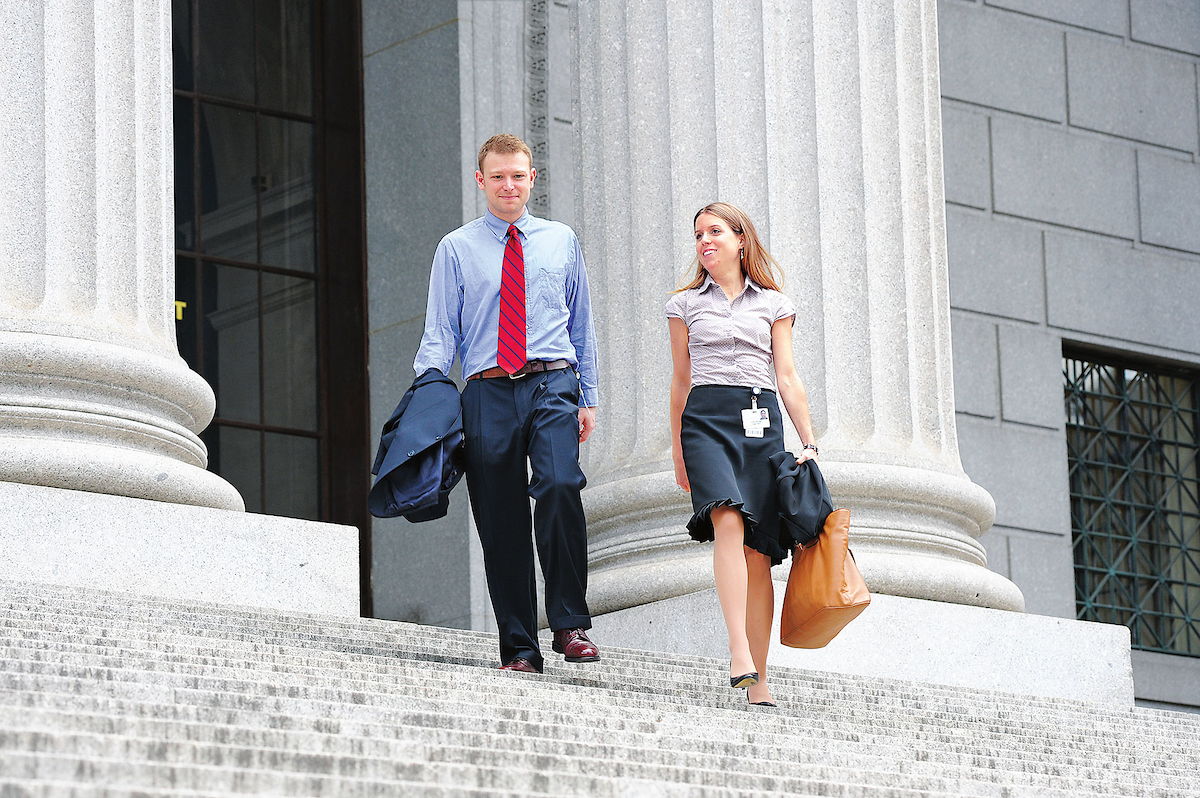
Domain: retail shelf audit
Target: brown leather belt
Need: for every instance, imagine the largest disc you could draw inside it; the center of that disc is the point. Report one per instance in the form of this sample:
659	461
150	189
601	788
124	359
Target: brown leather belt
532	367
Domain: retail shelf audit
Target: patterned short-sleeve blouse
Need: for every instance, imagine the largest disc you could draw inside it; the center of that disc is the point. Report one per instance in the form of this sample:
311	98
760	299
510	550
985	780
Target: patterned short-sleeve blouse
730	342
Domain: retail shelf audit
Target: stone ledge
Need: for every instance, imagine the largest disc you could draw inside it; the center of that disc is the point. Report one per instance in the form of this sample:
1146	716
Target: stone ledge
95	540
915	639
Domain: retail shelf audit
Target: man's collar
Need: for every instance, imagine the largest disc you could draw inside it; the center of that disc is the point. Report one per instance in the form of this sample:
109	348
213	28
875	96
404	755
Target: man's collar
500	227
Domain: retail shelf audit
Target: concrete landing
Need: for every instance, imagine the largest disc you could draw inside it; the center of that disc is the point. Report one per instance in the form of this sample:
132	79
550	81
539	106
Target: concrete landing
904	638
177	551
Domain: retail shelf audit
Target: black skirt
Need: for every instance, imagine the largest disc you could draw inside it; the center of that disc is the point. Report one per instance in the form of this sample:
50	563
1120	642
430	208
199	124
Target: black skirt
727	469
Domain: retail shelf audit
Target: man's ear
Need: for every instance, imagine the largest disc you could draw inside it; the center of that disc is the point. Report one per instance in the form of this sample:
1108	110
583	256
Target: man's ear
532	174
479	178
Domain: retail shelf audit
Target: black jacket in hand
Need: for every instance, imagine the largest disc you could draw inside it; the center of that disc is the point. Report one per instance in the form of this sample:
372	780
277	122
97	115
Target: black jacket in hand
803	498
420	459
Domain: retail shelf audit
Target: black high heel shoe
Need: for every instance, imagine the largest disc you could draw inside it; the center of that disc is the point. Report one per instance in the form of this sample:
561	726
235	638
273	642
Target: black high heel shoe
745	680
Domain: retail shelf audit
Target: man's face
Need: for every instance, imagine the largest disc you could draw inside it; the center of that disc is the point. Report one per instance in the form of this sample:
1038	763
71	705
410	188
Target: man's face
505	180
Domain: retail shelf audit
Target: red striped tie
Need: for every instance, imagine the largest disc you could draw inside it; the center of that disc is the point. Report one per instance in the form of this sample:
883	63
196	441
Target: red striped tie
511	349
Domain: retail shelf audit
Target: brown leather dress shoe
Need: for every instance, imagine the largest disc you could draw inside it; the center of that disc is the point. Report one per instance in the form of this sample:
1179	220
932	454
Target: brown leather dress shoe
575	645
520	664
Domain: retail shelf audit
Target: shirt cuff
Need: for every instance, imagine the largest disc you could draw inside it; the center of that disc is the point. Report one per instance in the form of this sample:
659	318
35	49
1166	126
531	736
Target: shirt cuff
589	397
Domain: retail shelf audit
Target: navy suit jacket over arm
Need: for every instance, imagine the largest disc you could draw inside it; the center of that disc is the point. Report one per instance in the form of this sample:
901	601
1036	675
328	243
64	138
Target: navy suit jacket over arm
803	498
419	459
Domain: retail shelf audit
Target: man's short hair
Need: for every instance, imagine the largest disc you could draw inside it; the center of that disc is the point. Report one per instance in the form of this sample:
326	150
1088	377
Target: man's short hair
504	144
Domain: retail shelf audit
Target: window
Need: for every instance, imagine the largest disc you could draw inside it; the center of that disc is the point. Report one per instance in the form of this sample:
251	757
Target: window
1132	450
270	265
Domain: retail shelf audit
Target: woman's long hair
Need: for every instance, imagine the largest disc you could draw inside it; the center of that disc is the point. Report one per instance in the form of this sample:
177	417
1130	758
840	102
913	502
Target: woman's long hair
756	261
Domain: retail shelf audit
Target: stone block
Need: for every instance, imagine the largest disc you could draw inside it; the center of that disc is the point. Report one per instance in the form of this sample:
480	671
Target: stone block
995	266
421	572
411	96
1064	178
1043	566
1174	24
387	22
1169	196
1031	376
1129	92
1109	289
976	388
392	350
1166	679
1108	16
1001	61
904	638
177	551
967	163
1025	470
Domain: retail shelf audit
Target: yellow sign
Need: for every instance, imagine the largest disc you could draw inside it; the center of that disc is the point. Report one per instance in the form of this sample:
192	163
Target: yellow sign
179	306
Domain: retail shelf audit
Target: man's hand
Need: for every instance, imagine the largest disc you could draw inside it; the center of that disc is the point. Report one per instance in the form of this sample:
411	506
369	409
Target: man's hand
587	422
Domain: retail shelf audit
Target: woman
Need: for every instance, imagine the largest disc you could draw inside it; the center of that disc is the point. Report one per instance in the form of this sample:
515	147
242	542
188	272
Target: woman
728	326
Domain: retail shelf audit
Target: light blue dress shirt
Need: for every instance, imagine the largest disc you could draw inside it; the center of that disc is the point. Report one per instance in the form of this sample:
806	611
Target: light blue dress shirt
463	313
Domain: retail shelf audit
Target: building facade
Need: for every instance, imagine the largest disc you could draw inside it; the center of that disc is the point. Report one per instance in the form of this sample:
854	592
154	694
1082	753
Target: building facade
322	149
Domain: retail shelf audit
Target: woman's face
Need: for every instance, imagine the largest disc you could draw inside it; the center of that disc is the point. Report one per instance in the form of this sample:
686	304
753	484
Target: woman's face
717	245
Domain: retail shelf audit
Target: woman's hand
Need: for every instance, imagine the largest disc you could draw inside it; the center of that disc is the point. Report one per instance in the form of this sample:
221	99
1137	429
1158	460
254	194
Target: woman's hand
806	454
681	474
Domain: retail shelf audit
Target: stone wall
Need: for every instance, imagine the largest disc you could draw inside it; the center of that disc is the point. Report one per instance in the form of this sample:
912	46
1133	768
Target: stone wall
411	80
440	77
1073	216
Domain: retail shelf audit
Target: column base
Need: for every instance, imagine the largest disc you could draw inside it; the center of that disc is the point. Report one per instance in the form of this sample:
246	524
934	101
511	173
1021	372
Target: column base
93	416
913	531
70	537
109	469
904	638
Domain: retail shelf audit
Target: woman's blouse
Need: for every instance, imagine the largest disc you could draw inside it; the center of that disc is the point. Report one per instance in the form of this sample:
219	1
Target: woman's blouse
730	342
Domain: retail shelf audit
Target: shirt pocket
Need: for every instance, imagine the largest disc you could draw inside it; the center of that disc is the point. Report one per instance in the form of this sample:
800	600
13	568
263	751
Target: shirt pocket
549	285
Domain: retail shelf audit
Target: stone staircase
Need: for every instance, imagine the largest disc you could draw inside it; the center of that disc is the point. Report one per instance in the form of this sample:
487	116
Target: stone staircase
110	694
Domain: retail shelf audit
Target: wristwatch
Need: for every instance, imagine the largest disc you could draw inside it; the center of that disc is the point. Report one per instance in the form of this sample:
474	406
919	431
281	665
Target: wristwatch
813	447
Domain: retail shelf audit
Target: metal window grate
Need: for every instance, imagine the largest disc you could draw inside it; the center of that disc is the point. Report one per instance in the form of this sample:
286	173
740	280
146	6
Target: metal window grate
1132	449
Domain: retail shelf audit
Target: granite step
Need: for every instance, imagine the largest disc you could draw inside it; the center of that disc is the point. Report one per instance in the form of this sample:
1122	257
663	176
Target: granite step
306	698
610	666
536	738
439	652
474	649
449	689
386	671
103	693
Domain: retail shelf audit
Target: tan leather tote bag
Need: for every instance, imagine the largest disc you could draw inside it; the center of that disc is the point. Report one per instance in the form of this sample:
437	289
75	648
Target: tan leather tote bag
825	591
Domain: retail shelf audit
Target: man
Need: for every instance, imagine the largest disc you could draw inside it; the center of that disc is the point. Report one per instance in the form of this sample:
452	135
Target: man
508	293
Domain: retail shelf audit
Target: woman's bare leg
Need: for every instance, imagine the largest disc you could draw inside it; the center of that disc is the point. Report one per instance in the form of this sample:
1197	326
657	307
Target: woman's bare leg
729	570
760	607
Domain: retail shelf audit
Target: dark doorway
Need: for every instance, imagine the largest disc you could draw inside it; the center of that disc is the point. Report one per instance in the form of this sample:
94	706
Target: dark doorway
269	237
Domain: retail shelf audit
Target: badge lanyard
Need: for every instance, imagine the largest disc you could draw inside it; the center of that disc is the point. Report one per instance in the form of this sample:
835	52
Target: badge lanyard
755	419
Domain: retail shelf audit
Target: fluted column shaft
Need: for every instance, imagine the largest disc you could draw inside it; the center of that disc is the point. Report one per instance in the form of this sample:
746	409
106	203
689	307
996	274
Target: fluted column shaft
93	393
821	118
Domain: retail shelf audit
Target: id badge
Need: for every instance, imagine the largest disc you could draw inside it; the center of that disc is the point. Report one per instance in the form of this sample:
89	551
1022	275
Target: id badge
754	421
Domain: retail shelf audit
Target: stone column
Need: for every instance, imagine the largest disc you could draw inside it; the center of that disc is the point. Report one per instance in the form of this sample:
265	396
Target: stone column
93	393
821	118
